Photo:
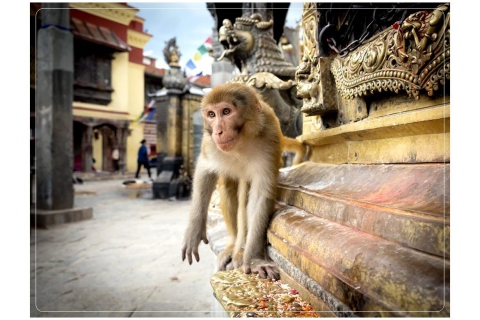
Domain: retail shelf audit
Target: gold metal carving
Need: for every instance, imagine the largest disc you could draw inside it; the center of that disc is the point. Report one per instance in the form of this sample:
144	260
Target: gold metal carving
310	31
171	53
314	80
408	57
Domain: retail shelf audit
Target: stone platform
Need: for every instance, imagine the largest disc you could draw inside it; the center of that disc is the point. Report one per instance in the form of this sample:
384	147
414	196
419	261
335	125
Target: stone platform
361	240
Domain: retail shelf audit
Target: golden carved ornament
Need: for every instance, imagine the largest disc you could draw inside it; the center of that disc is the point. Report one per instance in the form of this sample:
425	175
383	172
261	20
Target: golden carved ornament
171	53
310	30
408	57
308	73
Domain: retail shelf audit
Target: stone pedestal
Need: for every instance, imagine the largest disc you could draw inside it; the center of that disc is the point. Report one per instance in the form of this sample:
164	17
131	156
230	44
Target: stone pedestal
169	159
164	186
160	157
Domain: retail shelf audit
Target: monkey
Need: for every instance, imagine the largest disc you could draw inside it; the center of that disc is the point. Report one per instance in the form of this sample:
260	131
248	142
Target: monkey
293	145
241	150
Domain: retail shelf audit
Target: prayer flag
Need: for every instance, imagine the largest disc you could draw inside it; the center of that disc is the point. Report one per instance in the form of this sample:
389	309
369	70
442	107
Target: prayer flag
201	61
146	111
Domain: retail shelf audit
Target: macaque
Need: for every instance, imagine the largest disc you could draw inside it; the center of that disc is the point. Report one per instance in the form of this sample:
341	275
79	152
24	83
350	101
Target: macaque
241	151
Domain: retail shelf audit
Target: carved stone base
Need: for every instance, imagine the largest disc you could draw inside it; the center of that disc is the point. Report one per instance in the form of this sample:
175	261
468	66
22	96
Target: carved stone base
47	218
165	185
374	239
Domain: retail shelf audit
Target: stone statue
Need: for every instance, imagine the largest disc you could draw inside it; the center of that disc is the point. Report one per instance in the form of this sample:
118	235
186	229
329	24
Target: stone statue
249	44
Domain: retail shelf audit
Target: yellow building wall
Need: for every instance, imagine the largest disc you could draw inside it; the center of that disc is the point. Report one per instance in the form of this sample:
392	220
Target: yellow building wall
120	76
127	104
136	87
120	96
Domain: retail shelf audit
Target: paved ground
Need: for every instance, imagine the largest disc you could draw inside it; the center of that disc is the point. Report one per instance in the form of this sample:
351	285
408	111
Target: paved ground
125	262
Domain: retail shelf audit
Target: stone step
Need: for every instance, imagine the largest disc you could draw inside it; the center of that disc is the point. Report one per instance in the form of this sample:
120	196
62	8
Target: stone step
373	238
407	204
364	272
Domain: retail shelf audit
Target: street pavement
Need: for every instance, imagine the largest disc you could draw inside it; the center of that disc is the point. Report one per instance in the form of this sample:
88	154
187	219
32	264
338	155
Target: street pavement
124	262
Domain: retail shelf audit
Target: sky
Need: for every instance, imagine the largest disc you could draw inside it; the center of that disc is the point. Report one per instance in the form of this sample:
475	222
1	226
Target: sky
189	22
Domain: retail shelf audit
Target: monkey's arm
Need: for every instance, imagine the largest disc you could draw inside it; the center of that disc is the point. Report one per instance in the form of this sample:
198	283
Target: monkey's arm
204	182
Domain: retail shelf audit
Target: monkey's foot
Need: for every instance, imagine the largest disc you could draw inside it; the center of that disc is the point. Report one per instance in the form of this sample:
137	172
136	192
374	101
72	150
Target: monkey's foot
237	259
265	269
224	259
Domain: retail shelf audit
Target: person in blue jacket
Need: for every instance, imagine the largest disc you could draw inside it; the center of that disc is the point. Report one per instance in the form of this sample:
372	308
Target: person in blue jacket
142	159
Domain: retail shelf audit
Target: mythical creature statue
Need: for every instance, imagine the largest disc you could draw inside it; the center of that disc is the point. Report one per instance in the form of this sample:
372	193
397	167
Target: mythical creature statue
249	44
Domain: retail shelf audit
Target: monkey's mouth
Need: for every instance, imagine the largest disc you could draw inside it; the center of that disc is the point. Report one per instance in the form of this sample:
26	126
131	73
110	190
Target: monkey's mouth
226	145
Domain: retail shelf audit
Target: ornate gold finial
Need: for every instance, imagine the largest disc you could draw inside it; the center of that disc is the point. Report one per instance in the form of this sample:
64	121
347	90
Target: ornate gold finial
171	53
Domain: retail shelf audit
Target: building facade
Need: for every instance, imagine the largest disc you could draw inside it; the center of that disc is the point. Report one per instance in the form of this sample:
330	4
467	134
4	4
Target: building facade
109	82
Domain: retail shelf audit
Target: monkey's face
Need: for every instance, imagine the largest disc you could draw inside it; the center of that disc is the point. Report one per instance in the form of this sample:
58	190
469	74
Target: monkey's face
223	123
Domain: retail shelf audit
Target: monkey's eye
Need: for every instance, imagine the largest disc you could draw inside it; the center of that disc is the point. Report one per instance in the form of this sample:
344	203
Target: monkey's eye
226	111
211	114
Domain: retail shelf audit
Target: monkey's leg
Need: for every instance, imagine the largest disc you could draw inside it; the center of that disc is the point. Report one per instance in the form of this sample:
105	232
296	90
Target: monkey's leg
228	189
259	209
237	257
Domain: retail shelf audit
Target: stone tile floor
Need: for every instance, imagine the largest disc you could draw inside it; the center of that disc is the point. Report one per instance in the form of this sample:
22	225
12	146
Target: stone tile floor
124	262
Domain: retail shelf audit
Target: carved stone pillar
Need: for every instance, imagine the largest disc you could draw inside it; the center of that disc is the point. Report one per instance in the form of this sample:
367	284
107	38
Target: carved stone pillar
174	127
176	85
161	114
87	149
54	120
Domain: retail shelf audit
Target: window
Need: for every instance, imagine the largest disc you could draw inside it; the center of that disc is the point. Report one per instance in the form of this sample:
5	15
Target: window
92	74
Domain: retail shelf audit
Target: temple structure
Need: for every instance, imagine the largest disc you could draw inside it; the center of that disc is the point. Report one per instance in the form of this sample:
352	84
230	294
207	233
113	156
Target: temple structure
179	128
362	228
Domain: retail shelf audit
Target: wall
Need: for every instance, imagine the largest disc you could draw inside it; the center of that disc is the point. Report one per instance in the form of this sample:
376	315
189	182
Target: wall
136	107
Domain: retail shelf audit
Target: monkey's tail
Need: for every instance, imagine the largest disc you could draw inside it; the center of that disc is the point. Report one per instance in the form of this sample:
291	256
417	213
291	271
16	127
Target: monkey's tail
293	145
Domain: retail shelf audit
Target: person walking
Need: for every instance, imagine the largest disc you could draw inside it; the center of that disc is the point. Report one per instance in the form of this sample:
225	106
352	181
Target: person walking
142	159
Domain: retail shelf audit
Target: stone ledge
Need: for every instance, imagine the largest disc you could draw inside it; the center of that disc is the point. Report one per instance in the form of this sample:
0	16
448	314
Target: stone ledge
366	273
431	120
46	218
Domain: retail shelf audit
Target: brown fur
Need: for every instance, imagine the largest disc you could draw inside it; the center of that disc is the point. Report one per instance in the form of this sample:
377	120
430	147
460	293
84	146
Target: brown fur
241	150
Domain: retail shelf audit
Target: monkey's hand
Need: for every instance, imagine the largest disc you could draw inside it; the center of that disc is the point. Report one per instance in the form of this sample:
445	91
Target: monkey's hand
191	241
265	269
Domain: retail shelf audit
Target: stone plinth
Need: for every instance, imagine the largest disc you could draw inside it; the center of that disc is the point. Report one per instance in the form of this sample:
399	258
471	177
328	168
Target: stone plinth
361	240
46	218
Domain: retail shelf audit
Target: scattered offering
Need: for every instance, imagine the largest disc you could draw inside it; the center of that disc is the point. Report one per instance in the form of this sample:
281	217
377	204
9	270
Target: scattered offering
249	296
